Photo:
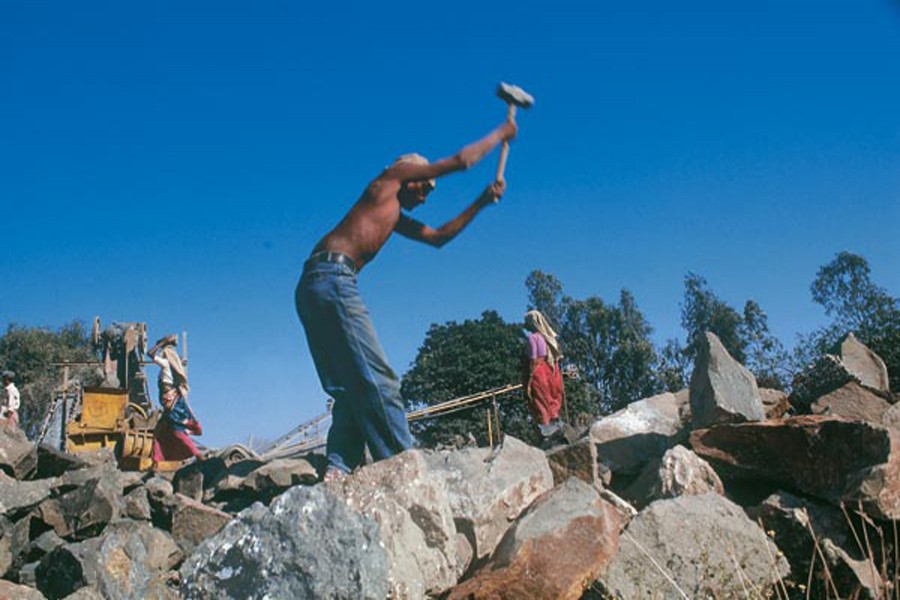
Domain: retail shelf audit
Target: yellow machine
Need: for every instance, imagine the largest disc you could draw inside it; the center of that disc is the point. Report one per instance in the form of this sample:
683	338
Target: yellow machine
118	415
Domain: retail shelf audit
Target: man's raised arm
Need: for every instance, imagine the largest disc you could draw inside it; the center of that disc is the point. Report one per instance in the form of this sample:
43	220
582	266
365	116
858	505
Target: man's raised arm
420	232
460	161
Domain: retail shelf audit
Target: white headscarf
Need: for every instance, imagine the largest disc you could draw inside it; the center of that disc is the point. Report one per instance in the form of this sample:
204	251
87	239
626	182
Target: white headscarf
535	321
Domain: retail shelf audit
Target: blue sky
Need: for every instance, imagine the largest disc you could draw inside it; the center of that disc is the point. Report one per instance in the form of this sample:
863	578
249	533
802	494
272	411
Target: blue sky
175	164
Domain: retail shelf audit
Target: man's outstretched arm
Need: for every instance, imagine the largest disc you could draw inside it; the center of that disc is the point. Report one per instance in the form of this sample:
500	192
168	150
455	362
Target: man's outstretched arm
460	161
408	227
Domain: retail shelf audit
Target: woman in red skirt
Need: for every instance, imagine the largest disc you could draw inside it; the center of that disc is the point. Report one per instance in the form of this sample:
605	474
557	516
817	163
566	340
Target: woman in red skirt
171	441
541	375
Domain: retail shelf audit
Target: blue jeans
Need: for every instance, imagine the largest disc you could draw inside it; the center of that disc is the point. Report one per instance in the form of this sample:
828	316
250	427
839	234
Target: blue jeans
368	409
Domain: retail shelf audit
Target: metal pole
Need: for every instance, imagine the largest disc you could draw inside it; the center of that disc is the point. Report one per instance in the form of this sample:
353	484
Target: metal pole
490	432
497	417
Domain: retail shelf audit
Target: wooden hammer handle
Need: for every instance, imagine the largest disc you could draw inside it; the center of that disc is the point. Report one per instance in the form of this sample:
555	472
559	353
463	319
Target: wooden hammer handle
504	150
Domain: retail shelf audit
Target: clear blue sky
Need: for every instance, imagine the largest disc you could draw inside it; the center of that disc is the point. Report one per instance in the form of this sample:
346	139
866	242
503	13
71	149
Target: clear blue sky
174	163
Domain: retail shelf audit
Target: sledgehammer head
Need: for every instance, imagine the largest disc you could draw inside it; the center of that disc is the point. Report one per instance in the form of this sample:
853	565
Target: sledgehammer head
515	95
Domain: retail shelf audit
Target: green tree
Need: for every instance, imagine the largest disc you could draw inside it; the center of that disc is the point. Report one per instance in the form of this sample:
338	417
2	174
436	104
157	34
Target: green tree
611	348
30	352
458	359
545	293
845	290
766	357
703	311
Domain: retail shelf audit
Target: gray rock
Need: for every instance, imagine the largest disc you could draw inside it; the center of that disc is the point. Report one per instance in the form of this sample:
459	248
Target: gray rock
18	456
576	460
193	522
53	463
852	401
12	591
704	546
89	499
891	418
866	366
129	560
557	548
280	474
307	544
722	389
625	440
793	522
137	505
18	497
679	472
411	506
489	489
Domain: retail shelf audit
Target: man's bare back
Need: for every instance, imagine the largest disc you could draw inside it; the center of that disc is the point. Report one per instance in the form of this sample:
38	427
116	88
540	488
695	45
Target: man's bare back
405	185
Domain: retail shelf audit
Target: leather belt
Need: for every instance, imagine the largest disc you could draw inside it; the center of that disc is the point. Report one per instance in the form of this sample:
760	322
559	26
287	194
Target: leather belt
332	257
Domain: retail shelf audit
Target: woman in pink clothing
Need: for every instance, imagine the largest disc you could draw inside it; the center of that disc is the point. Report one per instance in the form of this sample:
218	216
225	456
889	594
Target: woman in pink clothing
541	375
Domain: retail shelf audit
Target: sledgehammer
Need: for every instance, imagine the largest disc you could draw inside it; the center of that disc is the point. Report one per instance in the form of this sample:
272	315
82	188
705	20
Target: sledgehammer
514	96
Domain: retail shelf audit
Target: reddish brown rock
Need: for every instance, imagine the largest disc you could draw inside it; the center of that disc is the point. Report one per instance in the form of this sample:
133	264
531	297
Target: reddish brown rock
827	457
556	549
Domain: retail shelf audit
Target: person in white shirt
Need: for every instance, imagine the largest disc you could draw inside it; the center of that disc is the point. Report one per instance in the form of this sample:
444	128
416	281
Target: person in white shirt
10	409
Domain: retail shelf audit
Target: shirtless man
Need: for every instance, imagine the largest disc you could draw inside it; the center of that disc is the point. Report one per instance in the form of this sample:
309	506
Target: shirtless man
368	409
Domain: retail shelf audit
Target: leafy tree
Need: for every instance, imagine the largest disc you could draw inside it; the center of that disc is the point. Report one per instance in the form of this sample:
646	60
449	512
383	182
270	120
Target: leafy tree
611	347
458	359
766	356
855	303
674	366
545	294
703	311
30	352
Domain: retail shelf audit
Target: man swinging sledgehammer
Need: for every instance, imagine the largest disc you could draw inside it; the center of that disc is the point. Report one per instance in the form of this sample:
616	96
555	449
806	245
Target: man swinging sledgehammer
368	410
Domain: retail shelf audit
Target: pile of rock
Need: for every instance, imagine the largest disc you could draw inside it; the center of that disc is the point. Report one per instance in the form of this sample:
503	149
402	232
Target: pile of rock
710	492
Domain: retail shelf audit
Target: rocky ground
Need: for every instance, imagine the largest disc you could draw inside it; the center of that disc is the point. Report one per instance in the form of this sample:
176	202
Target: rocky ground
723	490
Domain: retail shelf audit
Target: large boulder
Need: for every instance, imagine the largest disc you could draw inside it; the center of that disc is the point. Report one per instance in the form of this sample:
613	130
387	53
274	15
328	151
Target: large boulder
307	544
625	440
679	472
410	504
556	549
722	389
798	526
827	457
18	456
693	547
488	489
129	560
280	474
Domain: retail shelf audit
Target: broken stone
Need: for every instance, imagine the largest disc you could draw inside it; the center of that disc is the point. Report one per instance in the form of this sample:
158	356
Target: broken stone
852	401
679	472
18	497
625	440
488	489
280	474
126	561
722	389
307	544
137	505
18	456
556	549
574	460
694	547
13	591
193	522
866	366
827	457
797	524
776	403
